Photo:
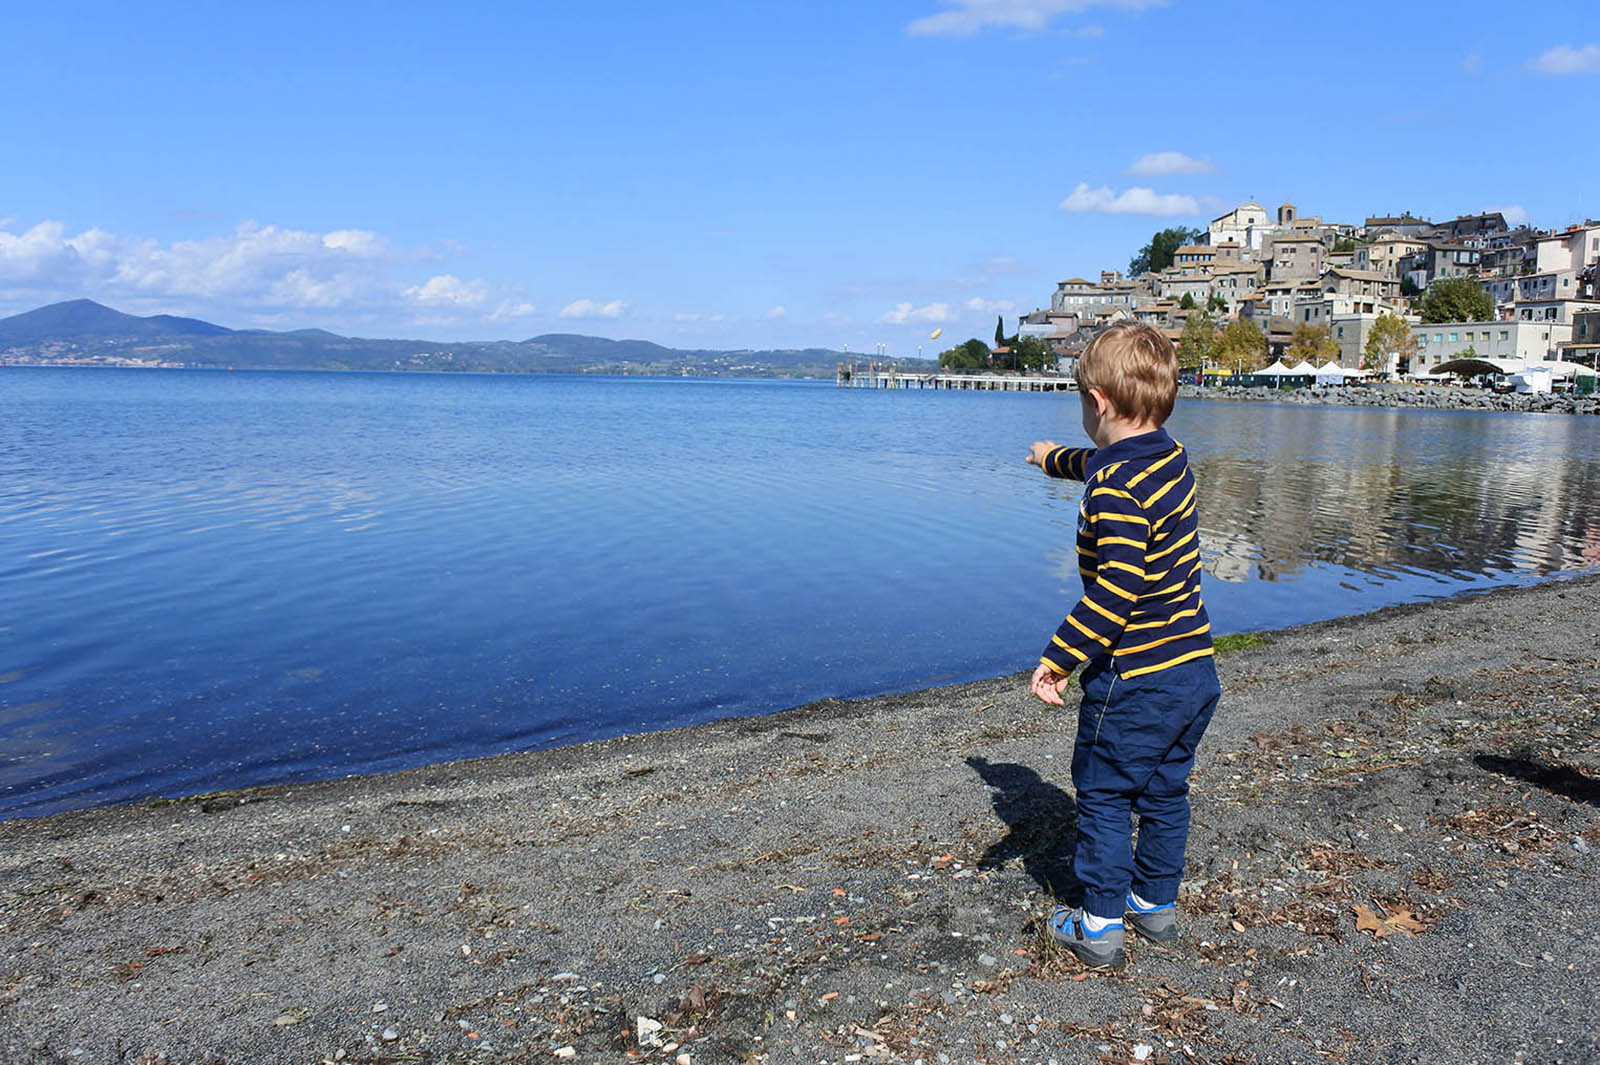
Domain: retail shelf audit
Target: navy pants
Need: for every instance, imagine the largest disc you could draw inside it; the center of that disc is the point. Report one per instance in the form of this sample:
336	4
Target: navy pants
1135	747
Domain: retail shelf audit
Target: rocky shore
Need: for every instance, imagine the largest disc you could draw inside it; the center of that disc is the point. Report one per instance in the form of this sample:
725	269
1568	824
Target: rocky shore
1429	397
1395	857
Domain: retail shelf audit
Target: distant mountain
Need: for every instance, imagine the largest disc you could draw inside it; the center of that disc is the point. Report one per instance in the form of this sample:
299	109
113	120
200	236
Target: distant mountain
83	332
87	319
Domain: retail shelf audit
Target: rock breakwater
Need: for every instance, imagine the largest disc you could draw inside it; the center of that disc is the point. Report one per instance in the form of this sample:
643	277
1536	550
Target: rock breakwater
1427	397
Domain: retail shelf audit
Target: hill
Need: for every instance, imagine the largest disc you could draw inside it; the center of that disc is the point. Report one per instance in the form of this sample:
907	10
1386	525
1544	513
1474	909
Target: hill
83	332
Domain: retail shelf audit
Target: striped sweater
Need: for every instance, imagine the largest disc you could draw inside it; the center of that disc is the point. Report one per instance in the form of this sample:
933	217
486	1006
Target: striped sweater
1139	554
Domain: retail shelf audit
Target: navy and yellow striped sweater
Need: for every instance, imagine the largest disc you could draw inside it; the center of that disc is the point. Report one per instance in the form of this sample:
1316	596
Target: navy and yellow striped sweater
1139	554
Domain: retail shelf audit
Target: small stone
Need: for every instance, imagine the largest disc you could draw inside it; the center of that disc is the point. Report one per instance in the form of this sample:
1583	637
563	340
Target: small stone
684	1059
564	978
380	1007
1580	845
988	961
566	1053
390	1035
1005	1018
1142	1051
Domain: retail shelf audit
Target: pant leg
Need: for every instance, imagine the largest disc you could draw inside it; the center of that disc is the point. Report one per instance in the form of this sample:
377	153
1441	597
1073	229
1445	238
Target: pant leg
1163	805
1102	859
1133	734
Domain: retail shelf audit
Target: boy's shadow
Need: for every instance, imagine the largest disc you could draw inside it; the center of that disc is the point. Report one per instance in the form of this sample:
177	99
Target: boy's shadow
1043	822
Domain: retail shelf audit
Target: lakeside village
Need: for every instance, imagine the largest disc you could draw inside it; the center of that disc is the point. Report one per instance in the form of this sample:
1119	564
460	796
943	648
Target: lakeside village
1286	300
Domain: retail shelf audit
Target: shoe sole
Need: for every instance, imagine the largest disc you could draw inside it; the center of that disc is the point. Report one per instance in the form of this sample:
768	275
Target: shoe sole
1116	960
1170	935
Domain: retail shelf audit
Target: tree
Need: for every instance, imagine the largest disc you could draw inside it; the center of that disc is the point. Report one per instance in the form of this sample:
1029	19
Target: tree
1456	299
999	332
1313	344
1198	341
1217	302
1390	336
1343	244
1242	345
969	355
1188	303
1408	288
1031	353
1158	254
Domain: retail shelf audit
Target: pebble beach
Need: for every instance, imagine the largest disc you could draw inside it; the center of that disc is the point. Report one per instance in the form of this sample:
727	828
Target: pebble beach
1395	857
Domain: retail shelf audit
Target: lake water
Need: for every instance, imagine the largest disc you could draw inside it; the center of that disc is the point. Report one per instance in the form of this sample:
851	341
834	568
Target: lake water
213	579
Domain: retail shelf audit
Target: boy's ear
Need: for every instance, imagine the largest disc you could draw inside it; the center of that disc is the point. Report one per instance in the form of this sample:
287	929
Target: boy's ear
1102	405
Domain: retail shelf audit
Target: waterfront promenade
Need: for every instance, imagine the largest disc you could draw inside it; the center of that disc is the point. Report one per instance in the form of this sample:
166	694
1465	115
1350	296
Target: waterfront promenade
863	878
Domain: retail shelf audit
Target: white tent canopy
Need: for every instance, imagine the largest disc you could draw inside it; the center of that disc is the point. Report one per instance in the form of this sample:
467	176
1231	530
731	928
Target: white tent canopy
1333	372
1303	367
1277	369
1559	368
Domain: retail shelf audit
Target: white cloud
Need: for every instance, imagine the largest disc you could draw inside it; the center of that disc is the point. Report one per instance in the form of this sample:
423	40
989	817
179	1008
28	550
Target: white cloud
1515	215
1133	200
1161	164
253	273
1472	66
965	18
991	306
906	314
356	241
512	309
592	309
1564	59
449	290
780	311
695	316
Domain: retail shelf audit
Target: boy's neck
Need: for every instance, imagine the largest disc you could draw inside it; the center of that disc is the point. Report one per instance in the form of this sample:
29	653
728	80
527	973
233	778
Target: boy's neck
1112	430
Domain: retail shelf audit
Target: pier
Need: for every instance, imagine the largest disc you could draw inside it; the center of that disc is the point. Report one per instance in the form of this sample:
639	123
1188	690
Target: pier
889	375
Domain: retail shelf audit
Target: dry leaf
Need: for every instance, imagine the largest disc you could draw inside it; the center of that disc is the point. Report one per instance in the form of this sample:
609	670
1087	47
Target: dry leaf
1404	920
1367	921
1401	920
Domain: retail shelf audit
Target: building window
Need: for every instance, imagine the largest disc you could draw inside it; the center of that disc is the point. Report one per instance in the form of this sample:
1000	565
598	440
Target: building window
1452	338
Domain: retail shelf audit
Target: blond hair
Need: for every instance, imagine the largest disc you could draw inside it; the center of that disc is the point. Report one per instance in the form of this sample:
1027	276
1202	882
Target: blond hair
1135	367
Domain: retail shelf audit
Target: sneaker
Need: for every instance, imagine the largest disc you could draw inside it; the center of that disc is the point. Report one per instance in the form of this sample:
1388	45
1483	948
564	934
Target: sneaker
1098	950
1158	923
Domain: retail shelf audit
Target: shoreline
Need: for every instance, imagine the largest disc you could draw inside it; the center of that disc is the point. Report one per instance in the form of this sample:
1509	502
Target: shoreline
861	877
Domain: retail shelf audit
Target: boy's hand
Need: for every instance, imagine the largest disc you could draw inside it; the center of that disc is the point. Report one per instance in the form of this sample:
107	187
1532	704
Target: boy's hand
1038	450
1048	685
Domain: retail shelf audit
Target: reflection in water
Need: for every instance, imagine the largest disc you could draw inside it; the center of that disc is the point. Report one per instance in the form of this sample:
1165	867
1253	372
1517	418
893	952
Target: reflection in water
1455	495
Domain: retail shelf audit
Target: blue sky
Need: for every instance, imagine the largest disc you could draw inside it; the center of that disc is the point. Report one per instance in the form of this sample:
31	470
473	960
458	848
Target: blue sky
735	174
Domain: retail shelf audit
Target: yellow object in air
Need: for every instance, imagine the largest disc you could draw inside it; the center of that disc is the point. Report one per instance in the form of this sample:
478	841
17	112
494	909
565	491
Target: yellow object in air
936	333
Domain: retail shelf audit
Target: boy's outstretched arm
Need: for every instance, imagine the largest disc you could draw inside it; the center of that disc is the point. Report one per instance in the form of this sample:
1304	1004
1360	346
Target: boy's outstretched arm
1059	461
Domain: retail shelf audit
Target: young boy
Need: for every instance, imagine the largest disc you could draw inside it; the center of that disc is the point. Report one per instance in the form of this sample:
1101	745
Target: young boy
1141	631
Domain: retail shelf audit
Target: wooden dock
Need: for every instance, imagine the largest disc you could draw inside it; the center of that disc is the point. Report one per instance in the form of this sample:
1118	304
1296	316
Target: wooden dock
889	375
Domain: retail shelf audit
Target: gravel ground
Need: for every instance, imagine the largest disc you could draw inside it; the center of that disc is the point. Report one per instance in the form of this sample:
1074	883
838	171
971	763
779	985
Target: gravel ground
1395	857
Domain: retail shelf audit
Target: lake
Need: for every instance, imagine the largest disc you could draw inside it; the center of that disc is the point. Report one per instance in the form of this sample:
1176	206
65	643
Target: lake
212	580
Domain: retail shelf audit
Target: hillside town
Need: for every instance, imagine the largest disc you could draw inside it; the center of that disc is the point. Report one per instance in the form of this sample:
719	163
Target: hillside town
1309	287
